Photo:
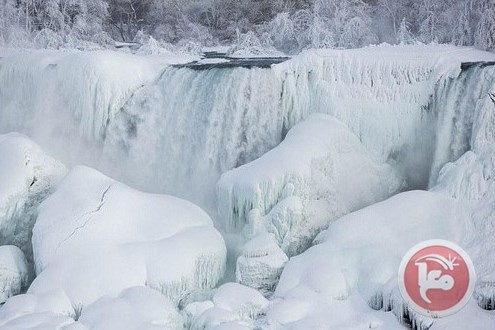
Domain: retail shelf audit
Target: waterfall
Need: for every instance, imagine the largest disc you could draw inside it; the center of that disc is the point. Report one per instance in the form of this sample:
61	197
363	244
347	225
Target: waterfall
175	130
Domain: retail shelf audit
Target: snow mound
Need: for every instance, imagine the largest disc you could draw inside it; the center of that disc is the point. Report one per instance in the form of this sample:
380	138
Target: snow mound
140	239
234	307
261	264
14	275
320	168
135	308
27	177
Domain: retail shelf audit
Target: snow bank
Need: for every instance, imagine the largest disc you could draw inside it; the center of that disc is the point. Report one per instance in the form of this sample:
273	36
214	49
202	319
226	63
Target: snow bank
27	177
140	239
14	275
320	168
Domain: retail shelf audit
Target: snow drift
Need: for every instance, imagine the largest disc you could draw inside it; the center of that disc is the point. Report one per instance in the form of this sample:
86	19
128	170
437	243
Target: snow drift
139	239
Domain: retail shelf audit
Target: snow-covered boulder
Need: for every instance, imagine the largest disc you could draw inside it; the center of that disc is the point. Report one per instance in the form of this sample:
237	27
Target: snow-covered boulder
95	236
319	172
234	306
134	309
27	177
354	264
261	264
14	274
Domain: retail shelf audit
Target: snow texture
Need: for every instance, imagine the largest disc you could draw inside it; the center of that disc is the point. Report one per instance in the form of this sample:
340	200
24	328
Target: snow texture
27	177
140	239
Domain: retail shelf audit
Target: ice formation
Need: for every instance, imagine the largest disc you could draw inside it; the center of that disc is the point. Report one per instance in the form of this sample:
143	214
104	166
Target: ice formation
233	306
14	275
319	172
261	264
27	177
139	239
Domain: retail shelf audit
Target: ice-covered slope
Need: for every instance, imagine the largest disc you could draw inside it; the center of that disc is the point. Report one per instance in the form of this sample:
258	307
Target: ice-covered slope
27	177
95	236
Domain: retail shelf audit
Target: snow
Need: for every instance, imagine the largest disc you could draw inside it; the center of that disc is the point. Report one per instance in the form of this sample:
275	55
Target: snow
28	176
234	307
14	275
135	308
320	165
140	239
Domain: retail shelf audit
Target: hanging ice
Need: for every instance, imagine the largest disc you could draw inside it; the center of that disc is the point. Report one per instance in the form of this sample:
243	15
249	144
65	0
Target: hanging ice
319	172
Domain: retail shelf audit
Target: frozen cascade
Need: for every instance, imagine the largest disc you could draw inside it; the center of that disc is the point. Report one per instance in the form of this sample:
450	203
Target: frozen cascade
457	103
194	125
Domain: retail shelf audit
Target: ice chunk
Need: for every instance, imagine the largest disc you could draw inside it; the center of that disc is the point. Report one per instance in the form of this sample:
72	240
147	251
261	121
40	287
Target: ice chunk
261	264
27	177
318	173
14	275
95	236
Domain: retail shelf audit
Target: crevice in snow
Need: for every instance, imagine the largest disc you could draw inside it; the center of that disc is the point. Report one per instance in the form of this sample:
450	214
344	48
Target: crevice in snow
88	216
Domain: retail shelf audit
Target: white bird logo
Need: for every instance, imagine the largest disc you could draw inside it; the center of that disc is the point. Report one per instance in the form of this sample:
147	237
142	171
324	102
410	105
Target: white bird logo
434	279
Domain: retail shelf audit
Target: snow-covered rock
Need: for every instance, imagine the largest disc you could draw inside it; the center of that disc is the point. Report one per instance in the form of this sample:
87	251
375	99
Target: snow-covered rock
95	236
355	262
261	264
319	172
134	309
27	177
14	271
234	307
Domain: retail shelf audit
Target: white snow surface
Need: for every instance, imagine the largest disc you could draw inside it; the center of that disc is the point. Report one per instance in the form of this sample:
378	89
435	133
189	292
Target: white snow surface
95	236
27	176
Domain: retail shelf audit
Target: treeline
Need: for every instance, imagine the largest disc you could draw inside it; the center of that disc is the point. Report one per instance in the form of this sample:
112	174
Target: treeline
286	25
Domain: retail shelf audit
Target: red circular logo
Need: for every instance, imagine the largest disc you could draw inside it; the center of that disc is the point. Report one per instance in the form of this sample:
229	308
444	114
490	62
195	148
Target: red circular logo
436	278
